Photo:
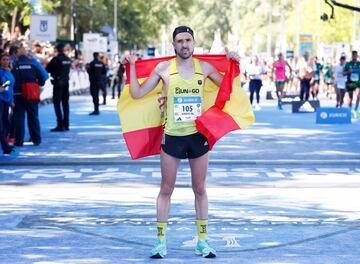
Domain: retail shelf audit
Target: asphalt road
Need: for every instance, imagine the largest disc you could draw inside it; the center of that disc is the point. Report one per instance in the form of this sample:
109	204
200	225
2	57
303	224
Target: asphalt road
283	191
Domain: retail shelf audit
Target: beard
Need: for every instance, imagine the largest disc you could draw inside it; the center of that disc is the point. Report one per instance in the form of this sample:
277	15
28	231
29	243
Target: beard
184	53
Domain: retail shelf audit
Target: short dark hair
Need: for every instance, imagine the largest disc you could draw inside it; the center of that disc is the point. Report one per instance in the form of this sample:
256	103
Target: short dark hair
95	55
13	49
60	48
182	29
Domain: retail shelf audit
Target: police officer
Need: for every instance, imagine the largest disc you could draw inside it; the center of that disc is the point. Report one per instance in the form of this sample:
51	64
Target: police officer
26	73
96	72
59	68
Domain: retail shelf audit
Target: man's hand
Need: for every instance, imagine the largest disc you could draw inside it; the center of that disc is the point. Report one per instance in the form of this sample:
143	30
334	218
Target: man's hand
130	58
232	55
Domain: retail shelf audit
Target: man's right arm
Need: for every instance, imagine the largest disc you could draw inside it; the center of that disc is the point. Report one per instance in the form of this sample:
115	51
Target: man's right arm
347	69
137	90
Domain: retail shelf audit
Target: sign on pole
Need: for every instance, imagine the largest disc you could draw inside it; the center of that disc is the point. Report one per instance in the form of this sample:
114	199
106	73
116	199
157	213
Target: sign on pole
43	28
306	44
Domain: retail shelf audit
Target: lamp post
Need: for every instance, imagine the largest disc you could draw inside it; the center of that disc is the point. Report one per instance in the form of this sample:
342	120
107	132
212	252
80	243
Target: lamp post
73	30
298	21
268	47
355	23
115	18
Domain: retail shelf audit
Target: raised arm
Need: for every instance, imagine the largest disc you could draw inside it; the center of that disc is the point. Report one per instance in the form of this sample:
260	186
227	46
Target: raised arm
137	90
212	73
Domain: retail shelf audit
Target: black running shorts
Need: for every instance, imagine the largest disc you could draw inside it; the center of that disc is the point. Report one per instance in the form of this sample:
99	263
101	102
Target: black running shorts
185	147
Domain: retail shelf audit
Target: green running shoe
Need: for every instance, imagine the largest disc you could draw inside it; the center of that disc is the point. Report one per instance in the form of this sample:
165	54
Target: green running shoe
159	249
204	249
356	114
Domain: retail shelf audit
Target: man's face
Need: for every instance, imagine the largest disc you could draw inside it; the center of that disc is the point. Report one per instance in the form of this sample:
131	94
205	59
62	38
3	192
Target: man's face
184	45
354	56
5	61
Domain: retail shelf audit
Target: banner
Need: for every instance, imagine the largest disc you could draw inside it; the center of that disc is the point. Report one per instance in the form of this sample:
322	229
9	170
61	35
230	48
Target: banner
332	115
305	106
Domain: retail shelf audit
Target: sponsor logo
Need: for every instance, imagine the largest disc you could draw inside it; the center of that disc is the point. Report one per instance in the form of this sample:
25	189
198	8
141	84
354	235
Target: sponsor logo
306	107
179	90
323	115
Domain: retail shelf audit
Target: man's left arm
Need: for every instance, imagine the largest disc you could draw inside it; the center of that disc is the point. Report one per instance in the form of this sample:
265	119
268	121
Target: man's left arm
213	74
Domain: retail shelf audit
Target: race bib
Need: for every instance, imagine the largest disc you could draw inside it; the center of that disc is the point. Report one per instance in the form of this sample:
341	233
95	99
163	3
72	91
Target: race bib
341	84
187	108
354	77
317	77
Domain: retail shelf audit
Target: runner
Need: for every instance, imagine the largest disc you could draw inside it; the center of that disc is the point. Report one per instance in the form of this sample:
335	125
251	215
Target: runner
328	78
279	67
255	70
352	70
340	81
306	73
181	139
316	80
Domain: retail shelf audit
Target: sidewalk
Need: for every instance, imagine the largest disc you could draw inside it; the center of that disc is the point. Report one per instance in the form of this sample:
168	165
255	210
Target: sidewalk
283	191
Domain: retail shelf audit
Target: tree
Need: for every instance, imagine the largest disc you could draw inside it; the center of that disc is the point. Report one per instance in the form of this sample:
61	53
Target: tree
138	21
15	13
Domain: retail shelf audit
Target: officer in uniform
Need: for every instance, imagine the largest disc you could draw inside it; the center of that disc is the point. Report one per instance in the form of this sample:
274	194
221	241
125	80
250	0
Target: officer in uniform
26	72
59	68
96	72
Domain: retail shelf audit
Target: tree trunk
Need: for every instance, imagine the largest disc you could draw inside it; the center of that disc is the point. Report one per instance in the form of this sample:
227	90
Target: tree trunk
13	21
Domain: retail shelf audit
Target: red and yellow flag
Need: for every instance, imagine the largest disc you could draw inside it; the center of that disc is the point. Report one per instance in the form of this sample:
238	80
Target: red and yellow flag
227	107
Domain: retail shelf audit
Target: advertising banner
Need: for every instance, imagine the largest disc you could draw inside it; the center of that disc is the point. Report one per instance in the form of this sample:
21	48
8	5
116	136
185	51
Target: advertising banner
332	115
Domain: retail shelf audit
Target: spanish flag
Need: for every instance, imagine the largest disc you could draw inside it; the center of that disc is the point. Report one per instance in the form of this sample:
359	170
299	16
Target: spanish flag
226	108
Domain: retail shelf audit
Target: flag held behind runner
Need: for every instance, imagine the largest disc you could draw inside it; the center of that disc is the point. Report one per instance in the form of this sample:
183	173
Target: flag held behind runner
225	109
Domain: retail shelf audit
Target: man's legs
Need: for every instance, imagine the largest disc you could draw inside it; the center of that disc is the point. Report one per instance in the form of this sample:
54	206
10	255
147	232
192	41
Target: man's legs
199	168
357	92
279	94
32	110
198	176
169	166
65	106
19	120
57	96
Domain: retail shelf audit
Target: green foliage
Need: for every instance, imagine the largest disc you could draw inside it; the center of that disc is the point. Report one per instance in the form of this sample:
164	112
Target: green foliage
7	8
140	22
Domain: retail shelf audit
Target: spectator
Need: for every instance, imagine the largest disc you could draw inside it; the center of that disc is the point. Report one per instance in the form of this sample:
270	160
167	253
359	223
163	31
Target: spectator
306	73
255	70
118	79
6	99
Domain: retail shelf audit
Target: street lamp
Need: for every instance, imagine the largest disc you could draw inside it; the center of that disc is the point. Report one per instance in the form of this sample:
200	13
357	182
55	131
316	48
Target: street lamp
282	32
115	18
73	30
